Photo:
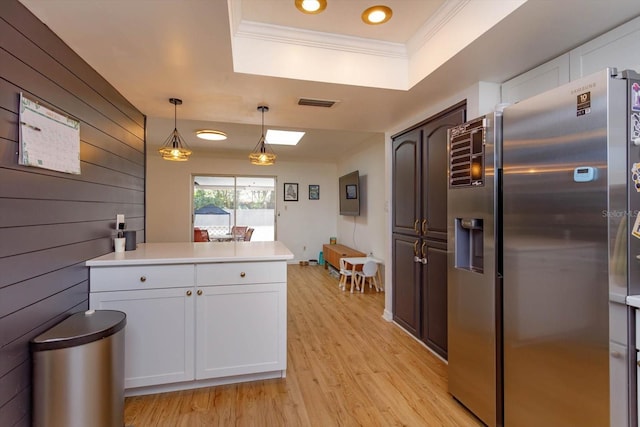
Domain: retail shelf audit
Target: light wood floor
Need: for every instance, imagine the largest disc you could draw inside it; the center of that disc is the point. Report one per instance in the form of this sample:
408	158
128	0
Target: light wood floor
346	367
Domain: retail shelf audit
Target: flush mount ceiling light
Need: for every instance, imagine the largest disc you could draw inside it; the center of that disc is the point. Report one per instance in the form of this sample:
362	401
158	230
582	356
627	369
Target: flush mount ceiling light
174	147
260	156
211	135
283	137
311	6
376	15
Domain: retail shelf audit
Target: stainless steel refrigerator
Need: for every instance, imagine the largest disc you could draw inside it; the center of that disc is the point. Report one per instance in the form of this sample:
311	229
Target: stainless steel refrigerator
565	259
570	203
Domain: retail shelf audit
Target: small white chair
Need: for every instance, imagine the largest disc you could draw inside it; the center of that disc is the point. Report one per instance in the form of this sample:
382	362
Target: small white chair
369	271
345	274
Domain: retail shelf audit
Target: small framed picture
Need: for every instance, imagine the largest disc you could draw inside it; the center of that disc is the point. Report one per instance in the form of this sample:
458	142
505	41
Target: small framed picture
314	192
290	192
352	191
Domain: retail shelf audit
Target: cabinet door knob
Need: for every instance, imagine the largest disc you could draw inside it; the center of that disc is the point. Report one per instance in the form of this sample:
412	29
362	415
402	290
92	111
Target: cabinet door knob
188	293
143	278
199	292
242	274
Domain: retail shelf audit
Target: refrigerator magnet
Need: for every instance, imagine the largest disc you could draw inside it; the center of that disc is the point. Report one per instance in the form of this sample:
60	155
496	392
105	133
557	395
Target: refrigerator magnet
635	176
636	228
635	127
635	97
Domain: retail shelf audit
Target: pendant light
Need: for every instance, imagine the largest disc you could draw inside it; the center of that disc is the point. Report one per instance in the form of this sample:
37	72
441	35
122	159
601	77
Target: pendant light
260	155
174	147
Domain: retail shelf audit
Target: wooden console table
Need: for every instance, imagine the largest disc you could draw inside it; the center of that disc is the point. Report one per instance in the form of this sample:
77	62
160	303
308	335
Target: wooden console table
333	253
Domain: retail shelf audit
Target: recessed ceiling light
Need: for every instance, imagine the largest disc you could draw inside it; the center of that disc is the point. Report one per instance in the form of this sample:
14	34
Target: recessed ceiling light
283	137
311	6
211	135
376	15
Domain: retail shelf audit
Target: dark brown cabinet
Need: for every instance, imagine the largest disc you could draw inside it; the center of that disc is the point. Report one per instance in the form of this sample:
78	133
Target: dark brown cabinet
434	298
419	215
406	283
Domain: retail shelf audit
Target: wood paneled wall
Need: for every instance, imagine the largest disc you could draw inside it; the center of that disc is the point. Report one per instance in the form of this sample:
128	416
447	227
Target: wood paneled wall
50	222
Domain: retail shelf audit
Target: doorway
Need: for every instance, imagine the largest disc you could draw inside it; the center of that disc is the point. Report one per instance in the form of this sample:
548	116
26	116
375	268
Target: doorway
222	202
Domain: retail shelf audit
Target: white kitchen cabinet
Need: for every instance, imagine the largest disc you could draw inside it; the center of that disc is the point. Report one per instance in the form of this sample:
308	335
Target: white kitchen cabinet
542	78
197	314
616	48
240	329
634	302
637	316
240	318
159	335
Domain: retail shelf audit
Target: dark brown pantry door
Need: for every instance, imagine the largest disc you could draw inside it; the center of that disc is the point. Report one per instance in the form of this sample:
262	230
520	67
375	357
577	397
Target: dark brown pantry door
406	182
434	298
406	292
419	209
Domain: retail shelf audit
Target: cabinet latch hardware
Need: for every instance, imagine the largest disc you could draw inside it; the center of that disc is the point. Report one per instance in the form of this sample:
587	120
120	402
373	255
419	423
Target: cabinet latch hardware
143	279
188	293
242	274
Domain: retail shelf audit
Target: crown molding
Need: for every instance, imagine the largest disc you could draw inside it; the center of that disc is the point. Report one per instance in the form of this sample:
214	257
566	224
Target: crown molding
438	20
337	42
317	39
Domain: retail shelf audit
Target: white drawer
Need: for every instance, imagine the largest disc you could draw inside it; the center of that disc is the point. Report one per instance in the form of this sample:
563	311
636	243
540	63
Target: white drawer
233	273
141	277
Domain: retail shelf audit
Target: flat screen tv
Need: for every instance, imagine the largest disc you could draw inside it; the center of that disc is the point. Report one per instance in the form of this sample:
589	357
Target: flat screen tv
350	194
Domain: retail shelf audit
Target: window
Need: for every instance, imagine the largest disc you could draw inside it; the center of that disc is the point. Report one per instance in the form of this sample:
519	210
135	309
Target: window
221	202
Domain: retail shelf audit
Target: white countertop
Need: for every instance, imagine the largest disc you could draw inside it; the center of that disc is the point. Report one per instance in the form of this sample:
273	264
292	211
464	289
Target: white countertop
633	301
189	253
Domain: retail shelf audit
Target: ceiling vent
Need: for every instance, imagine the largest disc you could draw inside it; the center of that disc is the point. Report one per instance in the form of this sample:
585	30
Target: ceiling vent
316	102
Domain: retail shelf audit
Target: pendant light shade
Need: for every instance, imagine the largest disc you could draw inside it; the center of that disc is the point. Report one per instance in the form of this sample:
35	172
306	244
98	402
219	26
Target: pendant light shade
174	147
260	155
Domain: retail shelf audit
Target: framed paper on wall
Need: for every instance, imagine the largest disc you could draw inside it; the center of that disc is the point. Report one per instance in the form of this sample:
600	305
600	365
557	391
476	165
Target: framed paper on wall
314	192
290	192
352	191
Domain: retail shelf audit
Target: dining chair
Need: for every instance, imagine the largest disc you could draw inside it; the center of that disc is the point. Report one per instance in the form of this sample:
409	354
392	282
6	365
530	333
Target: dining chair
238	232
200	235
345	274
369	271
248	234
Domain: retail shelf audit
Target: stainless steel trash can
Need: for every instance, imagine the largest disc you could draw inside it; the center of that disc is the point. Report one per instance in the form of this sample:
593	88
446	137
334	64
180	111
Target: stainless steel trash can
78	371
